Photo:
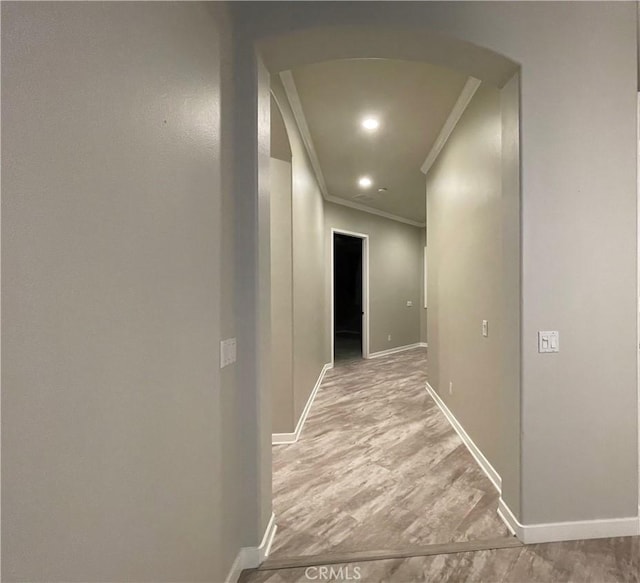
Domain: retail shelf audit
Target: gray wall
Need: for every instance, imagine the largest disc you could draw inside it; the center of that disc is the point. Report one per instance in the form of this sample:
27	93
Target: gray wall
581	404
395	258
121	437
309	307
281	297
464	236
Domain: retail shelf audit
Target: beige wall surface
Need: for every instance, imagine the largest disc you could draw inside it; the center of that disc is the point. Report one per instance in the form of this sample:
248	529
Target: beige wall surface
423	310
395	258
464	235
309	307
119	431
281	298
580	404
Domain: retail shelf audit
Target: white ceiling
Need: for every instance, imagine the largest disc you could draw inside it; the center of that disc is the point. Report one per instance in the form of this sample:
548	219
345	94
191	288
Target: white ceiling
412	100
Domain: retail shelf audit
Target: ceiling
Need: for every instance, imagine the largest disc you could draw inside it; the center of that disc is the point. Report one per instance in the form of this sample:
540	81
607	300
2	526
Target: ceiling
411	100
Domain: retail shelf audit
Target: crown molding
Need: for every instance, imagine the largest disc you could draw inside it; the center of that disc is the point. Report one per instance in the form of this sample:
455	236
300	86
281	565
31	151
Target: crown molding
468	91
373	211
293	97
291	91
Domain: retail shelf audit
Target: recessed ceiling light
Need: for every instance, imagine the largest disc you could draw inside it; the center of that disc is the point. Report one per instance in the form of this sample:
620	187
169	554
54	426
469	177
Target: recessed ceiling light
365	182
371	124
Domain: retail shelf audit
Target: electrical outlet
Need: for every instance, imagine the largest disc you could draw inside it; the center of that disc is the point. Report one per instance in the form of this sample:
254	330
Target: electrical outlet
227	352
451	387
389	338
409	304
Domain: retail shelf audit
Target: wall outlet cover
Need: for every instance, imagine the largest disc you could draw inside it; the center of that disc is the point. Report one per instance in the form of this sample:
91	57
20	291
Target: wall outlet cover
227	352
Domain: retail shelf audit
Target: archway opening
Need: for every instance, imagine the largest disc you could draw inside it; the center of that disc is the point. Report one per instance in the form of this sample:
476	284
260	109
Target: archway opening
454	382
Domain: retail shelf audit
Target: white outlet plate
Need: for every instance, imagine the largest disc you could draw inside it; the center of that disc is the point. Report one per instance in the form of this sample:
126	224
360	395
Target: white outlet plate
409	304
548	341
227	352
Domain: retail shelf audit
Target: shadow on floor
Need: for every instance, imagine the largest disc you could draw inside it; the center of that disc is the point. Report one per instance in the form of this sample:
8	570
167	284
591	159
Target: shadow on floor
347	348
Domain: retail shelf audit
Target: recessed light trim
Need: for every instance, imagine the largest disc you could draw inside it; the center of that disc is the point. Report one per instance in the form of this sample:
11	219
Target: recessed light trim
370	123
365	182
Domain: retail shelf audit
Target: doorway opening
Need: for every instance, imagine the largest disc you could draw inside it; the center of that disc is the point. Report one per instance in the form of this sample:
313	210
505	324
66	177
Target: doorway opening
349	295
355	444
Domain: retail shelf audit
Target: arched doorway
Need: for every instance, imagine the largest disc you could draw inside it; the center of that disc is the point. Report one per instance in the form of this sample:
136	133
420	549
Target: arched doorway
278	54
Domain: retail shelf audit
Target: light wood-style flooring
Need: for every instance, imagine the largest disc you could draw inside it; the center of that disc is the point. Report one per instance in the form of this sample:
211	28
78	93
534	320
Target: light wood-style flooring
612	560
378	466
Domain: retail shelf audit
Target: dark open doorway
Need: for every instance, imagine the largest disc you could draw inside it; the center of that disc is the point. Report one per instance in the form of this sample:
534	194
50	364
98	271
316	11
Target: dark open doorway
347	297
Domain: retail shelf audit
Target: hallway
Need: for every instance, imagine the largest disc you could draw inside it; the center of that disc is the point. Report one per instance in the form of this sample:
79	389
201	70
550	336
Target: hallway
378	466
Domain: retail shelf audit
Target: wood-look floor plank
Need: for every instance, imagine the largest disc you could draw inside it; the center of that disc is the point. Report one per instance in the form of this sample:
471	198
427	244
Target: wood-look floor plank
377	464
377	461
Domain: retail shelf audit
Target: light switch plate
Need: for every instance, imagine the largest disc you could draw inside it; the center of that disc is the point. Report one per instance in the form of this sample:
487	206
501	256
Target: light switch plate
548	341
485	328
227	352
409	304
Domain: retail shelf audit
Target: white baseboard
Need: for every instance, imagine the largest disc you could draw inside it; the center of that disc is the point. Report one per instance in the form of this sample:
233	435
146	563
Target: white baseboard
283	438
563	531
474	450
286	438
397	349
252	557
267	540
540	533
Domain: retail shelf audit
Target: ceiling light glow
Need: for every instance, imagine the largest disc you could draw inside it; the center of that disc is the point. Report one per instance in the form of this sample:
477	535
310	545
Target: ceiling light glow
365	182
371	124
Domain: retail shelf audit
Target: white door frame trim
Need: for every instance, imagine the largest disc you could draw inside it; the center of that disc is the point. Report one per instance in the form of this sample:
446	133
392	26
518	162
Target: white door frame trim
365	290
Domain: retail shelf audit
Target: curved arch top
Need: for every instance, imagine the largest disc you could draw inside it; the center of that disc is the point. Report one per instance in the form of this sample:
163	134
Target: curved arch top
288	51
